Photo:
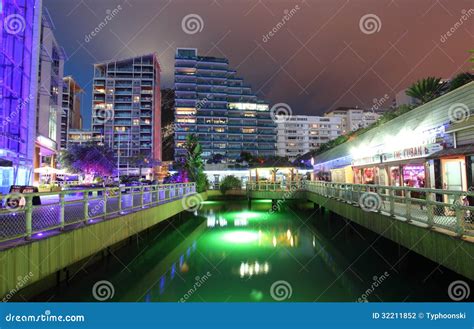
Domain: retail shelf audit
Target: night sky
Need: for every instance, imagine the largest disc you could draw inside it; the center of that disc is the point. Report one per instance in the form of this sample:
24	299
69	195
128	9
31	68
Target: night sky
319	59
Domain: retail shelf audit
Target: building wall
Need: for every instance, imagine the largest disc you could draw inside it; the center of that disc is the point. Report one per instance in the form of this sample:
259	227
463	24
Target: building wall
71	109
300	134
217	106
401	98
49	100
354	119
126	111
19	55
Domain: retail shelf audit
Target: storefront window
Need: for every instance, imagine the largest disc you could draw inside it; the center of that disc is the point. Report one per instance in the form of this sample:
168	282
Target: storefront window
395	176
414	175
369	175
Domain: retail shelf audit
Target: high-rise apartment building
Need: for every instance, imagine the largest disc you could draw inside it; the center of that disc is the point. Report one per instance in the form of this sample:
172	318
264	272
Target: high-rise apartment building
216	105
71	109
299	134
19	56
354	118
126	110
49	100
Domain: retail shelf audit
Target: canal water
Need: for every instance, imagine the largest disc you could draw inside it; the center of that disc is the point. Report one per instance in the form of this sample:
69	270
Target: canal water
226	252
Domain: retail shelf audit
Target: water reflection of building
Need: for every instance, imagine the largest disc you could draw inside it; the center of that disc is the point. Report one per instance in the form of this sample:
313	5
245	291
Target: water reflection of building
249	269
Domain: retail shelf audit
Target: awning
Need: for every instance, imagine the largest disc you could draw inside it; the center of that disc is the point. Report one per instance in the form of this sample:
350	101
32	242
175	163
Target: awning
451	152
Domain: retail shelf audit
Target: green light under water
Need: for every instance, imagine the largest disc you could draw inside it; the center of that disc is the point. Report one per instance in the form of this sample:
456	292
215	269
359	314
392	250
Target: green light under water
209	202
240	236
262	201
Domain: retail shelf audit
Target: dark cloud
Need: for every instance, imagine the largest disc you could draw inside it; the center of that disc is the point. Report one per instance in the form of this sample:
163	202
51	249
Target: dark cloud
318	59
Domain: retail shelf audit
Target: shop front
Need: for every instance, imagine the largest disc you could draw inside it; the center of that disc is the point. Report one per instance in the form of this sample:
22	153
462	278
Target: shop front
453	169
44	157
405	167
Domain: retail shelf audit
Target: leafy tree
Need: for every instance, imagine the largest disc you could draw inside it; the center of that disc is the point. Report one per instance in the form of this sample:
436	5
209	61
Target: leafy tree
140	160
216	158
425	90
460	80
90	159
193	163
245	157
229	183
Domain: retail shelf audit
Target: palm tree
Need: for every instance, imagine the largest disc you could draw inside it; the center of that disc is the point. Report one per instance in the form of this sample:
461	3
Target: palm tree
140	160
425	89
194	164
460	80
472	58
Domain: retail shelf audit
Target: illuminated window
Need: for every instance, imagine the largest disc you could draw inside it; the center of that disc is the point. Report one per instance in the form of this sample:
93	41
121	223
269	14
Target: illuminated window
219	130
136	122
185	111
186	120
248	130
249	115
136	99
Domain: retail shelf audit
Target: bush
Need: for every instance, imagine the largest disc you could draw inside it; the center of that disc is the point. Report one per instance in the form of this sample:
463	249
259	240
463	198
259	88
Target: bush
202	183
229	183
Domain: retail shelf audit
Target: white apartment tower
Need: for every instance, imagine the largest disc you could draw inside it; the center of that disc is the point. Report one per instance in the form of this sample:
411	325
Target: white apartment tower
300	134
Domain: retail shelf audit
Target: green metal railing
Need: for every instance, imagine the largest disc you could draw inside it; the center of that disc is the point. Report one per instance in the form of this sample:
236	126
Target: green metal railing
431	208
27	215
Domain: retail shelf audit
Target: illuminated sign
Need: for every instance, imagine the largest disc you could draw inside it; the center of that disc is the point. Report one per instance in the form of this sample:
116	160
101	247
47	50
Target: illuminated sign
412	152
46	142
366	160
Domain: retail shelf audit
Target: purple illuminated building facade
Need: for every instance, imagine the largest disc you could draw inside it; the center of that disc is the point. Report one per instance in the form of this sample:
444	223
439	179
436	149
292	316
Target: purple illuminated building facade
19	55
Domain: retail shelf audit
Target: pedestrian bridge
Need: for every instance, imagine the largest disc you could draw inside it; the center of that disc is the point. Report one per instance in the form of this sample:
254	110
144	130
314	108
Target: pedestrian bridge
436	224
71	226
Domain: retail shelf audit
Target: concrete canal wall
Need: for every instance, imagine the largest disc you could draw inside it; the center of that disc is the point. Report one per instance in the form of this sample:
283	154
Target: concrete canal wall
23	265
440	246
